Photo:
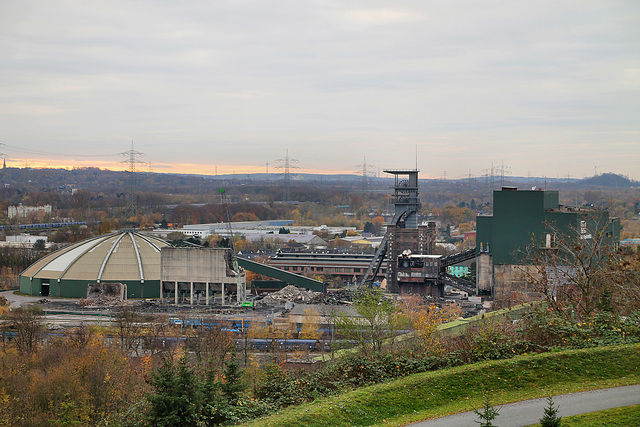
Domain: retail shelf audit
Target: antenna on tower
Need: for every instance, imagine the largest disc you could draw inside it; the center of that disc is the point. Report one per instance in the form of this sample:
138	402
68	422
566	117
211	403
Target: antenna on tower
286	164
132	206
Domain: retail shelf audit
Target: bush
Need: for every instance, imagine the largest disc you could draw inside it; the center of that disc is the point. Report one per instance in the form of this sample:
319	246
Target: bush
277	387
547	330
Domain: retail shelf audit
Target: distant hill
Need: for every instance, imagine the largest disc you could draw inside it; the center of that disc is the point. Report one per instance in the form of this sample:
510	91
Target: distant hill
610	180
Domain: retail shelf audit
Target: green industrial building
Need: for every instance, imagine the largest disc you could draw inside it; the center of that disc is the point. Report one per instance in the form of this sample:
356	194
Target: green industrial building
136	261
125	257
523	220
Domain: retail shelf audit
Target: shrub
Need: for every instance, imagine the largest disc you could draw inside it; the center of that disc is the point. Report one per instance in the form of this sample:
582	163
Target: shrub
277	387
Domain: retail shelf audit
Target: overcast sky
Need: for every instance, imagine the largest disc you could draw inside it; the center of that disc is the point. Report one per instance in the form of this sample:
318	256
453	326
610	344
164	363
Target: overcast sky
547	88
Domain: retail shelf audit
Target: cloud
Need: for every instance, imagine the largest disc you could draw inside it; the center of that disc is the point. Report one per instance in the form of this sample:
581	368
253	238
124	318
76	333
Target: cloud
371	17
238	83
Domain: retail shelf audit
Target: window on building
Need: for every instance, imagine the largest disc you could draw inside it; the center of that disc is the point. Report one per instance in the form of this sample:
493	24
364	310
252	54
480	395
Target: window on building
550	241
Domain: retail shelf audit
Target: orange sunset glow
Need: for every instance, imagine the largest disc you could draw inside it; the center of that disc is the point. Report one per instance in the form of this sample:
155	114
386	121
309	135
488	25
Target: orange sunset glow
179	168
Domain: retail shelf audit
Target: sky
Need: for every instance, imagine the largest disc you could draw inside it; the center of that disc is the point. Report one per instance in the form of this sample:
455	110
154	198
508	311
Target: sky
458	88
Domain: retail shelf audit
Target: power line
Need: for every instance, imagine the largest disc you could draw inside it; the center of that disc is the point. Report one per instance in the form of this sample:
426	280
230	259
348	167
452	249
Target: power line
23	150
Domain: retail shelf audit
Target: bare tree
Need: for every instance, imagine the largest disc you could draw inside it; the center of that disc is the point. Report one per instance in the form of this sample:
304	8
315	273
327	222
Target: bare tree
27	323
570	269
128	325
624	281
210	343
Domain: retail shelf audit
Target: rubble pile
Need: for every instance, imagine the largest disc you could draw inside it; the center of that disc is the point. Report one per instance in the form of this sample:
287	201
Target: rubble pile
101	301
337	297
296	295
291	294
103	294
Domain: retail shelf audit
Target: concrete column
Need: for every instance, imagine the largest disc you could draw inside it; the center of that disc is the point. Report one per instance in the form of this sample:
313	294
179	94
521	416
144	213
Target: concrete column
161	299
484	272
223	294
206	299
176	293
191	295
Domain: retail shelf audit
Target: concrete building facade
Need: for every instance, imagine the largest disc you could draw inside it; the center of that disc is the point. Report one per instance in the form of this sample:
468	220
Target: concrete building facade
197	274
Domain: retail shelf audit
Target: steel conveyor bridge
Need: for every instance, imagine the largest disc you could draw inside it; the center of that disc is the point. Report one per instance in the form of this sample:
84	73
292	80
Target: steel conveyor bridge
285	276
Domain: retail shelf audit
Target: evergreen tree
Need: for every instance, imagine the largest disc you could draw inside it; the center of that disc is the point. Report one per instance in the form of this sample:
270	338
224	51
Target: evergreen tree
368	228
233	385
176	398
550	418
213	403
486	414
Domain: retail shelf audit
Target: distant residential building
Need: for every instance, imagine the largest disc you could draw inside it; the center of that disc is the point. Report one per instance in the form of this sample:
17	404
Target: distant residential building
21	211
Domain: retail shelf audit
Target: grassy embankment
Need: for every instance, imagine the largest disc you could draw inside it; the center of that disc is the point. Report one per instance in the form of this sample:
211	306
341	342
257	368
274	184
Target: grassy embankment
433	394
616	417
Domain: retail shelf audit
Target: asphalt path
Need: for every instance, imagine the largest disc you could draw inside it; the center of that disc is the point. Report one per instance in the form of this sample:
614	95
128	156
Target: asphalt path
18	300
22	300
528	412
59	320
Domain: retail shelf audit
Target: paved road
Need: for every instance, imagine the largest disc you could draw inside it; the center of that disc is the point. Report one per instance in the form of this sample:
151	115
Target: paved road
59	320
18	300
529	412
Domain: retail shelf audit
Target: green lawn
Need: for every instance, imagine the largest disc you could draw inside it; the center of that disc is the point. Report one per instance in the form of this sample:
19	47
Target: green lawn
433	394
617	417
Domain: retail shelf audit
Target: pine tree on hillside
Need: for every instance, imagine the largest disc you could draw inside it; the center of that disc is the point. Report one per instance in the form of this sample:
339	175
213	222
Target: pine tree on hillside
550	418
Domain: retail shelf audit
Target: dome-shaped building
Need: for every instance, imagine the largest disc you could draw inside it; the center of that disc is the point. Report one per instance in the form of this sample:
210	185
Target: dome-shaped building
125	257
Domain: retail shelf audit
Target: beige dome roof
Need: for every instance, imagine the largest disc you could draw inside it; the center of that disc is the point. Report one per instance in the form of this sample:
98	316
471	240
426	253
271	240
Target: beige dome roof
115	257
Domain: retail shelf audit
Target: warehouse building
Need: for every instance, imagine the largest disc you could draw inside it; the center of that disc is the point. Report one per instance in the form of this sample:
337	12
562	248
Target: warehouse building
124	257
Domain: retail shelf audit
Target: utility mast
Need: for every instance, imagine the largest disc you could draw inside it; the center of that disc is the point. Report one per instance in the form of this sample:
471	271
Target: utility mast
132	206
366	171
286	164
240	287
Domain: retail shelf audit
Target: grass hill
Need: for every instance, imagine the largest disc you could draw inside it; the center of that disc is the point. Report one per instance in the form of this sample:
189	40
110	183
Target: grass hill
434	394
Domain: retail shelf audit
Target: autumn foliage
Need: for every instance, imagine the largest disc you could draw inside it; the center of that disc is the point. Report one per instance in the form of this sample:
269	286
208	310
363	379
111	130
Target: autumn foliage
73	380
